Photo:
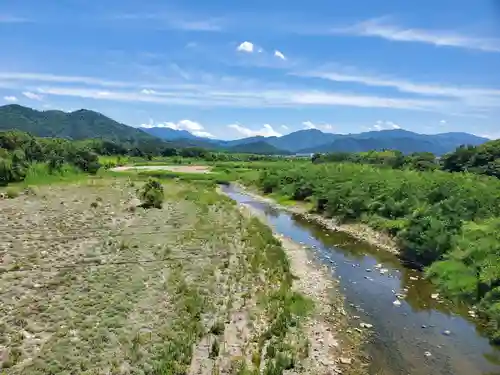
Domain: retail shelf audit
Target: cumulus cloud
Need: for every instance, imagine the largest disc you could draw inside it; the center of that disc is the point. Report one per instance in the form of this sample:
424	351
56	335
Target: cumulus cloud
193	127
10	99
385	125
148	91
32	95
311	125
284	127
246	47
266	131
279	55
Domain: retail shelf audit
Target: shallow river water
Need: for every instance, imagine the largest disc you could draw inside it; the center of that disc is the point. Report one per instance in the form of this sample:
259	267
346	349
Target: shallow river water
422	335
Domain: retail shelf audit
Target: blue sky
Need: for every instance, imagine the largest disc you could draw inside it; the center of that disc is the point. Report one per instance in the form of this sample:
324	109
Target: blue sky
231	69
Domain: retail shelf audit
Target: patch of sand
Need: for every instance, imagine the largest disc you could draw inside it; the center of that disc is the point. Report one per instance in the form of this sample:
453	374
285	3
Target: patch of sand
171	168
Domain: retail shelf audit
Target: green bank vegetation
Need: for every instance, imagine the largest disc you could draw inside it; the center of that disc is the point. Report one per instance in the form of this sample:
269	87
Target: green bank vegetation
445	222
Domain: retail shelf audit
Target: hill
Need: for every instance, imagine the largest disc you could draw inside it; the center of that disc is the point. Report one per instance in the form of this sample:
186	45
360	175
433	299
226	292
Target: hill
170	134
259	147
80	124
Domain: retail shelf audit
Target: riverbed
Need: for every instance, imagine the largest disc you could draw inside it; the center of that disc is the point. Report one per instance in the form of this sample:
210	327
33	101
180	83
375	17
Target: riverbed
415	331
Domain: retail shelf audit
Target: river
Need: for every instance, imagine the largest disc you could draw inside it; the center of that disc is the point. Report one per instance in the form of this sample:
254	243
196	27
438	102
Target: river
419	335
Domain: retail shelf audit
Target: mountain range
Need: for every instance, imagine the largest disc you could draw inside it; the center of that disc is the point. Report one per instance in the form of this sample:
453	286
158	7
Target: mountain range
84	123
313	140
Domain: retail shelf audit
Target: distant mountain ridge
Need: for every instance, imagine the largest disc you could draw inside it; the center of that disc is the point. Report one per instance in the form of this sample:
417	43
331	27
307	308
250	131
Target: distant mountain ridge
314	140
84	123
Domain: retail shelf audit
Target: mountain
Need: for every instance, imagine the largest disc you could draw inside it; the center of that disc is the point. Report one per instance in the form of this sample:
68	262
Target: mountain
302	139
398	139
258	147
74	125
84	123
169	134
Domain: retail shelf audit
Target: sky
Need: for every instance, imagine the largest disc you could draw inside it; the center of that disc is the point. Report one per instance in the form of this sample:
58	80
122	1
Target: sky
231	69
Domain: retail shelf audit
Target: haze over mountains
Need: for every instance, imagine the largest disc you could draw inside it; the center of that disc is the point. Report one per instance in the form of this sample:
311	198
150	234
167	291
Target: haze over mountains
89	124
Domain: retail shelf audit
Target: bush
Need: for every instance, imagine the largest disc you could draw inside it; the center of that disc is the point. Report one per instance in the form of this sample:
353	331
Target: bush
151	194
12	193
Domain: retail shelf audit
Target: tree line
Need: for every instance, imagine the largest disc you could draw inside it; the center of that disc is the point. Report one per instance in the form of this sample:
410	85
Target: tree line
20	150
483	159
447	223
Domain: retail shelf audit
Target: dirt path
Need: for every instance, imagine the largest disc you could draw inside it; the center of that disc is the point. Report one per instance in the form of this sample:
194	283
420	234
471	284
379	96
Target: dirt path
171	168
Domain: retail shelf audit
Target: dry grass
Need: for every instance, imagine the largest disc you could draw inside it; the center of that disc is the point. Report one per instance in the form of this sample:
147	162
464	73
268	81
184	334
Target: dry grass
90	284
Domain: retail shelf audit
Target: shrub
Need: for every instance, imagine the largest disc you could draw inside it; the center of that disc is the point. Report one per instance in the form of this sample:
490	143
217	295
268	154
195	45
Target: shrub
12	193
151	194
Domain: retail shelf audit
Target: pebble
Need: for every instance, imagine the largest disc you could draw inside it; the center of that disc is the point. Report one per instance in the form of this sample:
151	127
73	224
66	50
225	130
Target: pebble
397	303
424	326
345	361
365	325
435	296
446	333
428	354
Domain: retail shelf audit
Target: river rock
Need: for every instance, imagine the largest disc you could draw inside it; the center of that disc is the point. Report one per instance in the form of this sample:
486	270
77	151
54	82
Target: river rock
345	361
365	325
446	333
397	303
435	296
428	354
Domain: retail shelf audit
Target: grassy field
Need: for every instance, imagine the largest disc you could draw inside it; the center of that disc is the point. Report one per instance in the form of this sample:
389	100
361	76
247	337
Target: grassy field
90	283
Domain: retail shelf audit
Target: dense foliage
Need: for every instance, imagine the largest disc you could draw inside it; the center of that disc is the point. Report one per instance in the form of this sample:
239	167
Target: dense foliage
483	159
19	150
449	222
151	194
420	161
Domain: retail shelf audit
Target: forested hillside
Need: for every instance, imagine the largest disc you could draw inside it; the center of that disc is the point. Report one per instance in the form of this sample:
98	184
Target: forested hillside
80	124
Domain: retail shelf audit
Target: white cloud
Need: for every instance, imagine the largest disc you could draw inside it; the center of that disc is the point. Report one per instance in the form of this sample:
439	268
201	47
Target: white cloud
279	55
258	97
442	122
311	125
266	131
482	96
381	28
246	47
385	125
32	95
10	99
148	91
284	127
173	20
183	125
203	134
193	127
